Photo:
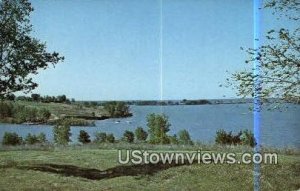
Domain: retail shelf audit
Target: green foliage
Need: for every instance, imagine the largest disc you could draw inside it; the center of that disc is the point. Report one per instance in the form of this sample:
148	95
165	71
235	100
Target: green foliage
44	114
245	137
75	121
173	140
128	136
35	97
110	138
100	137
35	139
6	109
184	137
21	54
21	114
117	109
84	137
62	133
277	61
158	127
11	139
141	134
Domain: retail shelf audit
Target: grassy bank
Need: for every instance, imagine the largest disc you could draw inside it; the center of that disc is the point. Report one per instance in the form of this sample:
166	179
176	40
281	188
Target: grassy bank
63	109
96	168
50	113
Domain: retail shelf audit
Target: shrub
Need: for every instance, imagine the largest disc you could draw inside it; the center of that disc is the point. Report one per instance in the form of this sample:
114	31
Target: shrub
44	114
6	109
84	137
173	140
158	127
128	136
141	134
42	138
224	138
247	138
184	137
100	137
11	139
110	138
34	139
62	133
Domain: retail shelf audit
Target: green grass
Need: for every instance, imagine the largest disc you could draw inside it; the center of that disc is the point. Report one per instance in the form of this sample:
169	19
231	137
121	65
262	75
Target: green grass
62	109
29	170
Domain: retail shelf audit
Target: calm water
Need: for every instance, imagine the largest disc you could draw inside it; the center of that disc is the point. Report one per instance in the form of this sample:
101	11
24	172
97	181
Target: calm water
279	129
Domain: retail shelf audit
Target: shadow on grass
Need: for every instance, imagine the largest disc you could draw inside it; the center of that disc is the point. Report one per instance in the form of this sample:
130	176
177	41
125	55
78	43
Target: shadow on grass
95	174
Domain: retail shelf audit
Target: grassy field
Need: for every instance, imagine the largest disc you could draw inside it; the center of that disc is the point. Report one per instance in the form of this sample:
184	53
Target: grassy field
62	109
88	168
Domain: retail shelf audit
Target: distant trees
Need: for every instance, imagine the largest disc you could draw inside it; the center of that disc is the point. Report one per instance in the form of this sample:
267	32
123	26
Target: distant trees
83	137
62	133
158	127
141	134
20	54
117	109
35	97
19	113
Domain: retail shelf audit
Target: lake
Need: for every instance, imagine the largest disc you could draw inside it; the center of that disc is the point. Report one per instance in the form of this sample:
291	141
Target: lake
278	128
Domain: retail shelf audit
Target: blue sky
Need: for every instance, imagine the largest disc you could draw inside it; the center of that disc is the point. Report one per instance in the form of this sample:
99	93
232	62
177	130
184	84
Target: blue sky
112	47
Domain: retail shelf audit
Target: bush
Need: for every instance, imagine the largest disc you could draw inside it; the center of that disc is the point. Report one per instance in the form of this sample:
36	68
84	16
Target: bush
128	136
141	134
100	137
158	127
224	138
247	138
184	137
34	139
62	133
11	139
173	140
110	138
6	109
84	137
44	114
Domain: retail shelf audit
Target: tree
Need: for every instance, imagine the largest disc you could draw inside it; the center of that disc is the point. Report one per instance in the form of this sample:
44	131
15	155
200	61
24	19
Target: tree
117	109
128	136
278	71
84	137
141	134
35	97
62	133
184	137
61	98
158	127
21	55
